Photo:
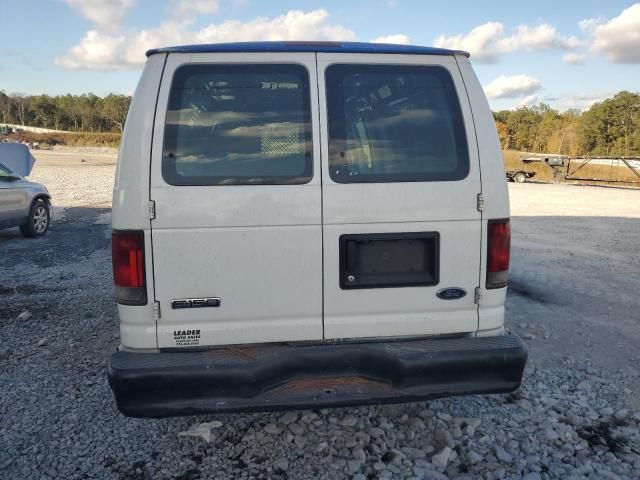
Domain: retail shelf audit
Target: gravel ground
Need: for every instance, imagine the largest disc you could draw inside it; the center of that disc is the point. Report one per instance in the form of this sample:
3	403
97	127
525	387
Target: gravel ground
573	298
76	177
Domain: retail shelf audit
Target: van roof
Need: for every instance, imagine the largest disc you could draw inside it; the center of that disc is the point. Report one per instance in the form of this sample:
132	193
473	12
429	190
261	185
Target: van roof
307	46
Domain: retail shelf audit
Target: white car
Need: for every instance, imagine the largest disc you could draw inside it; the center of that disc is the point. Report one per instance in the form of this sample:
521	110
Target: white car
304	224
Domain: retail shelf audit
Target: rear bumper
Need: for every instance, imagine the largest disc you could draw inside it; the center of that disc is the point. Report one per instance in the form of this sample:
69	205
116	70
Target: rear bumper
278	377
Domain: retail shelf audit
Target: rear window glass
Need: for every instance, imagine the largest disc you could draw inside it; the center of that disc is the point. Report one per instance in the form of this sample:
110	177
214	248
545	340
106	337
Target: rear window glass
394	123
238	124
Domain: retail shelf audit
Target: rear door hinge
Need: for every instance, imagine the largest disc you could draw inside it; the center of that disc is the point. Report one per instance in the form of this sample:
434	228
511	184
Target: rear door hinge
156	310
152	210
477	296
480	204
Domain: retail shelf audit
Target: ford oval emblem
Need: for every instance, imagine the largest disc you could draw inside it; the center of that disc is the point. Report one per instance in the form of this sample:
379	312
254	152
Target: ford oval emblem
451	293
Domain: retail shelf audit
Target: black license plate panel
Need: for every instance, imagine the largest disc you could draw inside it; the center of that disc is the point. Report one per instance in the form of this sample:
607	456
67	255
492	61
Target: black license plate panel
384	260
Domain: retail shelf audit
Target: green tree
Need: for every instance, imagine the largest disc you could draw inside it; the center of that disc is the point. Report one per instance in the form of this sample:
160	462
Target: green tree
42	108
115	108
71	110
89	105
21	108
548	125
523	122
5	107
611	126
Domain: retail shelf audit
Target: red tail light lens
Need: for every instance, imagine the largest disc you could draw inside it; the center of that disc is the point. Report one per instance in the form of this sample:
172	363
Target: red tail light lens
498	252
127	251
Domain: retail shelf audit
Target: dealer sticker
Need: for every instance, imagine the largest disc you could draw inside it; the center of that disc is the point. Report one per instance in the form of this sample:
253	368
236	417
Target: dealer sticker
186	338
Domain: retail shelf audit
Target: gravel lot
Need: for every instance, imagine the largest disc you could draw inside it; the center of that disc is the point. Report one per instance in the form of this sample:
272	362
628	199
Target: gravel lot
573	297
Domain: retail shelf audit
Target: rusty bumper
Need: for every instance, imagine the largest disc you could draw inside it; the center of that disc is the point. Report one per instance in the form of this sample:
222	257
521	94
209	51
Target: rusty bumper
279	377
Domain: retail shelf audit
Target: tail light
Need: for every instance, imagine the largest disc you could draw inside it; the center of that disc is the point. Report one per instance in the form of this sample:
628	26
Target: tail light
127	251
498	252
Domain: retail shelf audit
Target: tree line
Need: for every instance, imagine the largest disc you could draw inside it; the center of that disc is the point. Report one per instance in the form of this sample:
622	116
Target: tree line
610	127
607	128
77	113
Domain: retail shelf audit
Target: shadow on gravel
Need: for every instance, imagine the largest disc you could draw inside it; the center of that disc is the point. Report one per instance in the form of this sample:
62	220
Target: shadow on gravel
36	271
24	290
573	291
602	434
520	288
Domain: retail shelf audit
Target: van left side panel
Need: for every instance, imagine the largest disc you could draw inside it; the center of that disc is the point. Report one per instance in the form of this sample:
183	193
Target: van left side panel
131	198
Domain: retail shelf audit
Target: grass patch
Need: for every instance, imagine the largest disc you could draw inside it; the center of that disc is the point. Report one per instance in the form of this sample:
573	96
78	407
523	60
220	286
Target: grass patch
79	139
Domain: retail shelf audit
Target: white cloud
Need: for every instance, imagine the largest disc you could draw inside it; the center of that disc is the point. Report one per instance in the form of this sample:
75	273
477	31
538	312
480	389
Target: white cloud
588	24
293	25
617	39
478	41
581	101
512	87
109	51
574	58
528	101
95	49
539	37
203	7
488	42
105	51
106	14
398	38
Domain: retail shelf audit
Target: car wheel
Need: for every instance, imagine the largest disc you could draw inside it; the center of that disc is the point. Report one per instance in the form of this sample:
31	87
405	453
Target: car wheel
520	177
39	219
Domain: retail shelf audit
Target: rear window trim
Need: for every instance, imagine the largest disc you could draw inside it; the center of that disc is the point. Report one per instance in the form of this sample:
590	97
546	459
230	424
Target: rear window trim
375	178
269	181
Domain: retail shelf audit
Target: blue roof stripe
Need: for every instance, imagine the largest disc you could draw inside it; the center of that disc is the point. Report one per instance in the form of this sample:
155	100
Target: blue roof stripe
330	47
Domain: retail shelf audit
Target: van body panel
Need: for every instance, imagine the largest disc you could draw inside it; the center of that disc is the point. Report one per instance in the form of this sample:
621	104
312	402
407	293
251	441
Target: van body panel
131	197
446	207
494	191
255	247
268	279
258	206
404	202
264	207
131	187
403	311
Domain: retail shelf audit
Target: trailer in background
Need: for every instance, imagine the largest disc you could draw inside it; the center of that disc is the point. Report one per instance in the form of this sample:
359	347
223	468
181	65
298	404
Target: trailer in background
631	163
519	176
567	168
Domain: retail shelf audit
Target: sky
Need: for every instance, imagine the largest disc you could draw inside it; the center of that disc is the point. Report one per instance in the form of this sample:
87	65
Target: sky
566	54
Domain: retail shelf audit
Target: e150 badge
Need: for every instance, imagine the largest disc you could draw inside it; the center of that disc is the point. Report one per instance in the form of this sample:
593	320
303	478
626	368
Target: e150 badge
195	302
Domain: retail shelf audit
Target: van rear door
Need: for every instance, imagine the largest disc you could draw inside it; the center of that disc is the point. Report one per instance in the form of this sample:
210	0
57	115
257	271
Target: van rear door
401	178
235	177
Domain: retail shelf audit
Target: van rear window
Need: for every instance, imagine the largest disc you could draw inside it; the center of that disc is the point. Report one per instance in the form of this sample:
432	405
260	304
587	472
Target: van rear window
238	124
394	123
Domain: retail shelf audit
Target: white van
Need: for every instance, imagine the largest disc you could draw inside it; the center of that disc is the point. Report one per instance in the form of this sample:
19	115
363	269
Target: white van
306	224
